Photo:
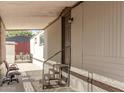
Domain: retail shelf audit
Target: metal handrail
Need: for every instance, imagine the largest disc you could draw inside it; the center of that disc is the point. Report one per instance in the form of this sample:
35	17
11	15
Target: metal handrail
51	58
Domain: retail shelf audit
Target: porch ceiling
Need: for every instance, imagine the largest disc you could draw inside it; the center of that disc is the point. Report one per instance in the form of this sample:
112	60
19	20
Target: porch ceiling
31	14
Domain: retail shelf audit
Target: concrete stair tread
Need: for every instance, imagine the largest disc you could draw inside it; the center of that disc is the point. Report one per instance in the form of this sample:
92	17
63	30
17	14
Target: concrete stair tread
49	86
50	77
54	71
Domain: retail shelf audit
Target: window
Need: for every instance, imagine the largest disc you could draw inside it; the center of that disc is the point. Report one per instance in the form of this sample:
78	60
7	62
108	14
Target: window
41	39
35	41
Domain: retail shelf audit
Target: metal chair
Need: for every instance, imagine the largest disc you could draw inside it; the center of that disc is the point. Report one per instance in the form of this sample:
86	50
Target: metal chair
11	73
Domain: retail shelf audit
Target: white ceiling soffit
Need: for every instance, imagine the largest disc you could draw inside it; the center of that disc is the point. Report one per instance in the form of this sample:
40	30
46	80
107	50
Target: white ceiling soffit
31	14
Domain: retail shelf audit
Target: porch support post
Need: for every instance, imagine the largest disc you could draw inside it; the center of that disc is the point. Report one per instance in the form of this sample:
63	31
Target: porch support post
0	41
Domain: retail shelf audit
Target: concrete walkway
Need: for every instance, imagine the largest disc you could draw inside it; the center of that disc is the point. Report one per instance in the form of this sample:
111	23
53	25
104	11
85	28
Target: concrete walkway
28	67
30	72
24	85
23	68
14	87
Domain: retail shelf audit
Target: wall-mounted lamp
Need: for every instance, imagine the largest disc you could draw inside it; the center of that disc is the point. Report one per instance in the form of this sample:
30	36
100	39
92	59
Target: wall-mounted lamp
70	20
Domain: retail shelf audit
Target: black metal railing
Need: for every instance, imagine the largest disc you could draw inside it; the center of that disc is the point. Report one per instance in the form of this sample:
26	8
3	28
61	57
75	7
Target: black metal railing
68	72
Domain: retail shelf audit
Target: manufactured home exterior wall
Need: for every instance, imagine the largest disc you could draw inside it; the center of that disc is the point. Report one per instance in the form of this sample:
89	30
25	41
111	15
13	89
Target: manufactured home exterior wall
100	35
96	43
53	42
37	50
103	40
77	52
76	37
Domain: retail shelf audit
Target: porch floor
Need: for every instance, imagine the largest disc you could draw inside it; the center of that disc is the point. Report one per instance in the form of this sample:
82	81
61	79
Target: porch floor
29	81
14	87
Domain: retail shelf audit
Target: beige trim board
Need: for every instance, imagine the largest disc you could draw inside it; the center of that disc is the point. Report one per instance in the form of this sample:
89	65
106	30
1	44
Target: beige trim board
66	8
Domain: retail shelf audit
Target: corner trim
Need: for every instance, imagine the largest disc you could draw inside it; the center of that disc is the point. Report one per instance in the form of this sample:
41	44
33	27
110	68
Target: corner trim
78	3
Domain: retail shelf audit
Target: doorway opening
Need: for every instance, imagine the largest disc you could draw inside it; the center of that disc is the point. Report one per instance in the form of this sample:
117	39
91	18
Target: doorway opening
66	38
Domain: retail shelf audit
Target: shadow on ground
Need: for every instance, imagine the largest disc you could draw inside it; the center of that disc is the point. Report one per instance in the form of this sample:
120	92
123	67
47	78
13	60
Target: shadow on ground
13	87
36	76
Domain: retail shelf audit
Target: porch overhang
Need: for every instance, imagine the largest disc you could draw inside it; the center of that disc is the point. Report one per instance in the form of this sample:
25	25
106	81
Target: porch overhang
28	15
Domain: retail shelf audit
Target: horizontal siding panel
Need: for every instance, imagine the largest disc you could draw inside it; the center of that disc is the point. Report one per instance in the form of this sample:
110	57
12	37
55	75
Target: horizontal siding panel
110	67
106	72
109	60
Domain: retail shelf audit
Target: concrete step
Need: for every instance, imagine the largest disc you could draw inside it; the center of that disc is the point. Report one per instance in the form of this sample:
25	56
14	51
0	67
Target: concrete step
56	85
50	77
54	71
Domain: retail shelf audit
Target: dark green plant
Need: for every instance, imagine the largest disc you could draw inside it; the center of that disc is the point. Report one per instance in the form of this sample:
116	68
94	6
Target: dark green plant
41	39
19	33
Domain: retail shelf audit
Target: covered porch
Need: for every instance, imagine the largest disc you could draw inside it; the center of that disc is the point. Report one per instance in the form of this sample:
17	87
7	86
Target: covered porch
79	47
31	75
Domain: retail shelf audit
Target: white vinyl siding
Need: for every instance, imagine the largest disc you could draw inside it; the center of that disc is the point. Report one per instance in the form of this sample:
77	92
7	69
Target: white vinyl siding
76	36
103	38
53	41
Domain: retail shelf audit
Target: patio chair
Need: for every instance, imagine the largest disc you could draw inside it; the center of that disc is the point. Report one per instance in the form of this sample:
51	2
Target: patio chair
12	73
10	66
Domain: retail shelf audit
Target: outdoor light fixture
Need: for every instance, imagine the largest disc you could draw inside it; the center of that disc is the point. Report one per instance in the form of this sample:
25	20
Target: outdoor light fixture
70	20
